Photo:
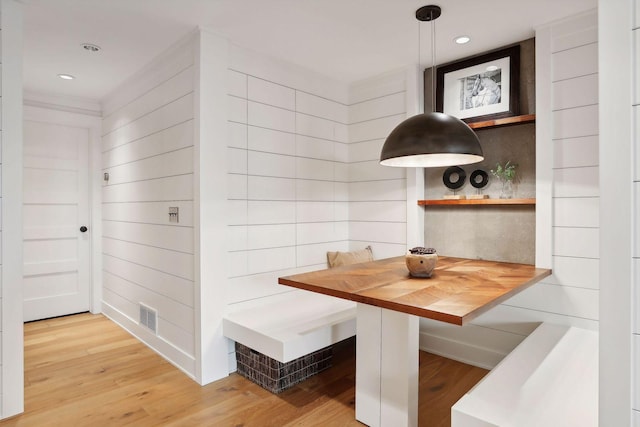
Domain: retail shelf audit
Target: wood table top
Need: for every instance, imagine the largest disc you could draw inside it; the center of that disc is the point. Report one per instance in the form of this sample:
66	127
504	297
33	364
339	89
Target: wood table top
458	291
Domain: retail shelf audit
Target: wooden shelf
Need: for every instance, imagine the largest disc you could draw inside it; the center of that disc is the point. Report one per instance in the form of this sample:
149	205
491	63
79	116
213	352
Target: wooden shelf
527	118
447	202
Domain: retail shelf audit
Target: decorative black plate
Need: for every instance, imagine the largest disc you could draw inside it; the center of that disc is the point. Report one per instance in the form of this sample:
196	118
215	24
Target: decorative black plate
479	173
446	177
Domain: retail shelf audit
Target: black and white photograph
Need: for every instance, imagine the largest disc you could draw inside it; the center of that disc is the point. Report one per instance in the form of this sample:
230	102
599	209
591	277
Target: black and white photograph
480	88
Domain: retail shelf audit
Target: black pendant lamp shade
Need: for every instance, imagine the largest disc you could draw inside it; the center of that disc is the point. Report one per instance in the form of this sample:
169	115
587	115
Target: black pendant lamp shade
430	140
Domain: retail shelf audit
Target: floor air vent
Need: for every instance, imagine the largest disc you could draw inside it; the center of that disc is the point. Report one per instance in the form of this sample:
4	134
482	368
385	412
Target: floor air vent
148	317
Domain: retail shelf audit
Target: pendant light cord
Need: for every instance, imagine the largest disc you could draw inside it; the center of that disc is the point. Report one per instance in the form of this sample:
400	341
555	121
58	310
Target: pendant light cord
433	64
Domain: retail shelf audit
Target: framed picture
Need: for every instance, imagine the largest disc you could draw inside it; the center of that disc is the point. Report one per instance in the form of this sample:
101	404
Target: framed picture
481	88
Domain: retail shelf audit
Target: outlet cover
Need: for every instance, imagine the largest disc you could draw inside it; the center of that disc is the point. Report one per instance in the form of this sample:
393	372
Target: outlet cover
173	214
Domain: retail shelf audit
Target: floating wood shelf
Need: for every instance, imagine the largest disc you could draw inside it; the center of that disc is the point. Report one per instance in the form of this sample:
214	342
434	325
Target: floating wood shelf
515	120
443	202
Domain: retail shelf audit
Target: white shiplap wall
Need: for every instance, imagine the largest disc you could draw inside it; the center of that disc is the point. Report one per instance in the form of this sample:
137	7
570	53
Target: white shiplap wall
636	216
11	320
287	165
377	194
570	295
148	152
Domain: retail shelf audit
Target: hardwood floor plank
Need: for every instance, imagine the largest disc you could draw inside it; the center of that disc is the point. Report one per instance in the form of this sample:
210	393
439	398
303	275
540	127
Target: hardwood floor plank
84	370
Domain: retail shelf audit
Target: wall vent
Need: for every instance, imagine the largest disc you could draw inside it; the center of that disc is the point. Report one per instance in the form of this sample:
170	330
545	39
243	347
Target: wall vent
148	318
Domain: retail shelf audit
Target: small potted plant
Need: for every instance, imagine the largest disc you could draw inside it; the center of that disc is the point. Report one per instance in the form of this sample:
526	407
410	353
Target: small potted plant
506	174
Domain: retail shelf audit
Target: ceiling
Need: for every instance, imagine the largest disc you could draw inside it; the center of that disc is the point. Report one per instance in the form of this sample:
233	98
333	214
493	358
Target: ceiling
344	39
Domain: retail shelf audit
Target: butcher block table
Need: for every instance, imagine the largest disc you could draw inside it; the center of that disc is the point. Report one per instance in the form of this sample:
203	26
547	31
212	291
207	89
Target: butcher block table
390	303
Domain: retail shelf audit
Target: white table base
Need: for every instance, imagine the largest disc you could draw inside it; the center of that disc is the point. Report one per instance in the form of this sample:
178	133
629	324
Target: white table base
386	367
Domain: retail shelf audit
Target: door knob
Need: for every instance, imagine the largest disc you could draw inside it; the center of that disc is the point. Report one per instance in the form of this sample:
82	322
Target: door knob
83	229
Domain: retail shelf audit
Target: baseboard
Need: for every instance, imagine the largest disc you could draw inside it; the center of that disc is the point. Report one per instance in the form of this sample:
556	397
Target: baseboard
172	354
462	352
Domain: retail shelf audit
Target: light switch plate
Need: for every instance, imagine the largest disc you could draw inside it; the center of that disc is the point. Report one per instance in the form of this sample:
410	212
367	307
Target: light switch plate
173	214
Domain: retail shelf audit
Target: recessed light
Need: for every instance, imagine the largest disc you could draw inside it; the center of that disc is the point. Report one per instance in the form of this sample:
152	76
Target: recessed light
91	47
492	68
462	39
66	76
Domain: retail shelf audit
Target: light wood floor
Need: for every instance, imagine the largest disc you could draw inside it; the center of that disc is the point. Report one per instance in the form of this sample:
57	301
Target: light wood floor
84	370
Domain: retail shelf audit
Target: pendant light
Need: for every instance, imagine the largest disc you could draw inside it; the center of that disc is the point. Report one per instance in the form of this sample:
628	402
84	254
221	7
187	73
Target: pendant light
431	139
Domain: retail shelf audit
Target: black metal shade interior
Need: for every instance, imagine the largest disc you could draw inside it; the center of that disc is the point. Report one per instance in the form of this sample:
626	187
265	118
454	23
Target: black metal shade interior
430	140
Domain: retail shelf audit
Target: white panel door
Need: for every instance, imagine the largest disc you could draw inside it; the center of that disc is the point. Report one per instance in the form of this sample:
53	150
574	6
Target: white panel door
56	206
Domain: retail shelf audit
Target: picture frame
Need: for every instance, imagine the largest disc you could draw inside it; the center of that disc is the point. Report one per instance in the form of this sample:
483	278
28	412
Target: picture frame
480	88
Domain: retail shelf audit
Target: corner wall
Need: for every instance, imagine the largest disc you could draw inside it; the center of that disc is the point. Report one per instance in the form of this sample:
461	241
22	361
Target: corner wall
148	152
11	335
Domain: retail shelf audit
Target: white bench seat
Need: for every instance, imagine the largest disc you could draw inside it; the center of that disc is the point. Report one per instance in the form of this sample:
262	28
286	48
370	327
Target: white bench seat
550	379
290	325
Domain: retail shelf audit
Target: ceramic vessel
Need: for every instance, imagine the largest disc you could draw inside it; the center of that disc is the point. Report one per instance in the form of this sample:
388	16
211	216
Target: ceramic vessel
421	265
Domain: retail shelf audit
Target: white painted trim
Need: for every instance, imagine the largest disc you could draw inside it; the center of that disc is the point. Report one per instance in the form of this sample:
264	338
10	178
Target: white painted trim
165	349
616	194
210	205
484	358
12	375
544	151
69	104
94	126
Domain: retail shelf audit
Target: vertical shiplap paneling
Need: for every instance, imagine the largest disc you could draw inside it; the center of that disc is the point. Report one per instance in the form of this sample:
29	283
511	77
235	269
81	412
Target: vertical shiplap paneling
636	212
377	194
147	144
287	174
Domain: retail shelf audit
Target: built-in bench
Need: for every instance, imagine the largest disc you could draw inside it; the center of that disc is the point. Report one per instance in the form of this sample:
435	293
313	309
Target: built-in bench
284	339
550	379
